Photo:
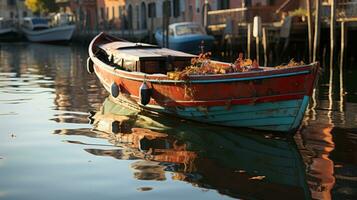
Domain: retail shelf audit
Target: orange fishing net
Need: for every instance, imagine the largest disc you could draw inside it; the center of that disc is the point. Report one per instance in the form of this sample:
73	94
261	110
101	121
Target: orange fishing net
203	65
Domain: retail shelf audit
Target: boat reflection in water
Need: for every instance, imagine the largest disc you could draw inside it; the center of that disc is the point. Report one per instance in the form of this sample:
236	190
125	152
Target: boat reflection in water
235	162
244	165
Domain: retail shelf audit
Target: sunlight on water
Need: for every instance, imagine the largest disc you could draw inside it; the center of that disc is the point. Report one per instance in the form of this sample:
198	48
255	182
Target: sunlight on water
62	138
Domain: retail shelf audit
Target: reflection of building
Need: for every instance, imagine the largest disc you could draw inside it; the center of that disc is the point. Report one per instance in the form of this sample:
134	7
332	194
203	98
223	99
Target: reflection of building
74	88
315	144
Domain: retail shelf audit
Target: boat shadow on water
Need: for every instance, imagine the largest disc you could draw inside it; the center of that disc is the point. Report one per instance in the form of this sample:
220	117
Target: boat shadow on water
239	163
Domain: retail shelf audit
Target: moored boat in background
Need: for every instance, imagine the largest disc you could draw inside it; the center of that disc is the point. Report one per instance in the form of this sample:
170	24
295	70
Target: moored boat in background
265	98
8	31
188	37
39	30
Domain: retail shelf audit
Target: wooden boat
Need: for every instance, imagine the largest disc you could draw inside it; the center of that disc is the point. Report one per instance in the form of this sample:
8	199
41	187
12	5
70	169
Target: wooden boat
39	30
266	99
188	37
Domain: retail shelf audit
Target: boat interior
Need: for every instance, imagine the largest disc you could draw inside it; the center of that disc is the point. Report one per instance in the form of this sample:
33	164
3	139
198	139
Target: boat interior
141	57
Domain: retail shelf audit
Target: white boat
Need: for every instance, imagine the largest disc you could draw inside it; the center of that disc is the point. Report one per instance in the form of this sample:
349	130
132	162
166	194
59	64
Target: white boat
8	31
39	30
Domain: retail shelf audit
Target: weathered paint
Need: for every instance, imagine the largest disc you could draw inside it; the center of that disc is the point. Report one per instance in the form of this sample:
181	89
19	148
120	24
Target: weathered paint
275	116
269	99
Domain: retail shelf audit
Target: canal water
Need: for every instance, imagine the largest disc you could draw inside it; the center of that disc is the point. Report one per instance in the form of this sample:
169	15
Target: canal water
62	138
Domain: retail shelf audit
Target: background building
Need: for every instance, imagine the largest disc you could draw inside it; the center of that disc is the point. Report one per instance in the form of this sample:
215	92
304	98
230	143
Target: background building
13	9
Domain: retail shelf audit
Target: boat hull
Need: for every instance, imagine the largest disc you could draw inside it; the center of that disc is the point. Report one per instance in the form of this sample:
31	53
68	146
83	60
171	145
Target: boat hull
282	113
9	35
281	116
62	33
268	99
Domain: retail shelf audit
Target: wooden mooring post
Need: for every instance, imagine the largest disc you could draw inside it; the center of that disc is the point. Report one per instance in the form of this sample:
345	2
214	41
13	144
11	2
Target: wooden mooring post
257	46
309	28
265	46
317	29
257	32
165	24
249	39
344	34
332	29
343	41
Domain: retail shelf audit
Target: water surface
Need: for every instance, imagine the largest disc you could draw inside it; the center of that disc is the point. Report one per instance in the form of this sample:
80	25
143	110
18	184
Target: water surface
53	146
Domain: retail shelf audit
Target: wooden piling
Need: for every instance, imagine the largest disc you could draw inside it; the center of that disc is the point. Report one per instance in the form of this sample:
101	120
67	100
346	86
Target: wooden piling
317	29
332	29
309	28
343	41
205	15
257	33
165	24
249	38
257	45
265	46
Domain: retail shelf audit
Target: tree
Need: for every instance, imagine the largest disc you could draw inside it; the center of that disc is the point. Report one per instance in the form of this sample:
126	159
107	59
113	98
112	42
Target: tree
41	6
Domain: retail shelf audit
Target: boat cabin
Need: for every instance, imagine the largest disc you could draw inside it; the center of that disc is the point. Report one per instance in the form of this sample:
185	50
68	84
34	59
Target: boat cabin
61	19
186	28
35	23
144	58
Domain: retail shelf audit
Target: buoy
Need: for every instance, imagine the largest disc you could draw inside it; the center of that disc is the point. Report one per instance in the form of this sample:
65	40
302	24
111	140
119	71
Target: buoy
90	68
145	94
115	90
115	127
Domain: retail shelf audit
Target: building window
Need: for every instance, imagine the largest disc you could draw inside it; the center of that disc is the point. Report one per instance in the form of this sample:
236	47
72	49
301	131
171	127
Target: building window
102	13
11	2
113	12
248	3
137	17
166	4
223	4
120	11
143	16
24	14
130	17
176	4
107	13
271	2
152	10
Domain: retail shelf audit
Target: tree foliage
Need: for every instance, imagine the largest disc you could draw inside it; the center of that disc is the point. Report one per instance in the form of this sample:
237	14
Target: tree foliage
41	6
